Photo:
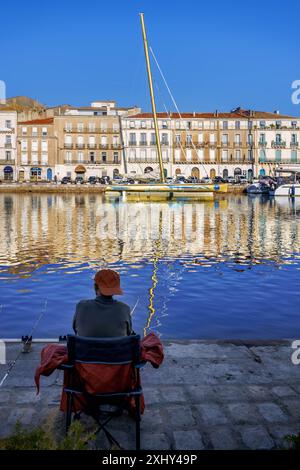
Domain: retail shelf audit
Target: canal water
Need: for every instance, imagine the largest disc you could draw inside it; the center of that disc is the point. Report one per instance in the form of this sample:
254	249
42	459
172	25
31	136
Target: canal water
223	269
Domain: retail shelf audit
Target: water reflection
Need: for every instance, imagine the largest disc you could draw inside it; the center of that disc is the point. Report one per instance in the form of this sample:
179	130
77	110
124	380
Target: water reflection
160	244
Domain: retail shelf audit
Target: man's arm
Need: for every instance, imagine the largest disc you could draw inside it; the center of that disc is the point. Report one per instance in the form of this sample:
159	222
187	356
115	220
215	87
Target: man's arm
74	320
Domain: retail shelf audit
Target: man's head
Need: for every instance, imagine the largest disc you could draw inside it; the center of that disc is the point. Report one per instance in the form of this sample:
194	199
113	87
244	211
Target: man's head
107	282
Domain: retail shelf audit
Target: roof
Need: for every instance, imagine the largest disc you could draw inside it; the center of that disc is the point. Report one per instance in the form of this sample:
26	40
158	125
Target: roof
235	114
38	121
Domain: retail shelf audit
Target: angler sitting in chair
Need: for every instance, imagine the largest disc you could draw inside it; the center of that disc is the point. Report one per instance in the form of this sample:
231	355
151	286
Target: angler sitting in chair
103	317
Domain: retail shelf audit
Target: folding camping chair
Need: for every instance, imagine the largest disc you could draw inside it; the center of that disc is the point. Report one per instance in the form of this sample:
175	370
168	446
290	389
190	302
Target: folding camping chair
107	351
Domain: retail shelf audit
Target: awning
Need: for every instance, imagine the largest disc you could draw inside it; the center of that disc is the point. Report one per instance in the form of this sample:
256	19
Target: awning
80	169
35	169
8	169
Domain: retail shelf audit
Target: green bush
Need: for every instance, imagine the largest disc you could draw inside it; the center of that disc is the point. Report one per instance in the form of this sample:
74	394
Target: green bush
41	439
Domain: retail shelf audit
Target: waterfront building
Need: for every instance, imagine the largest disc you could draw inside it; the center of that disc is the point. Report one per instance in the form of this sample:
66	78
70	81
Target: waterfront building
90	140
8	139
37	150
212	144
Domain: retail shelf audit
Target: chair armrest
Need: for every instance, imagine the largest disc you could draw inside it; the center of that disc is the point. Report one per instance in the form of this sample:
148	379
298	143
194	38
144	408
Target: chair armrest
66	367
140	365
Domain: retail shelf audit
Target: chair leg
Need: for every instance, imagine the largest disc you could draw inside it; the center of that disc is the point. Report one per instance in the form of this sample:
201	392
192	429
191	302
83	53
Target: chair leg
69	410
137	422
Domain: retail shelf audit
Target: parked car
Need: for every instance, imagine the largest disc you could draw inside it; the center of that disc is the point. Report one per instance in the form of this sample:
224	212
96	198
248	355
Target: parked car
230	179
206	180
192	179
180	179
79	180
104	180
66	180
169	180
92	180
117	179
218	180
242	180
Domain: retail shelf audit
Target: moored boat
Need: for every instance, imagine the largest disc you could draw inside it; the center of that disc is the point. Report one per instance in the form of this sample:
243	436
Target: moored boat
289	189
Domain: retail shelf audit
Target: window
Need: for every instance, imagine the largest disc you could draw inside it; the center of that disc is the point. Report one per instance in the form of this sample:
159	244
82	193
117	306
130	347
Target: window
250	124
237	124
92	127
103	157
68	157
237	139
8	155
188	125
103	126
68	126
116	127
224	155
8	124
92	157
278	138
115	141
44	131
294	124
225	139
262	138
212	138
262	155
34	131
103	141
8	140
250	139
177	138
225	125
177	125
34	146
189	154
294	138
23	144
250	155
200	124
80	127
132	138
212	125
165	155
143	124
212	154
278	124
131	124
277	155
80	156
24	130
189	139
200	153
262	124
44	158
44	146
24	158
177	155
238	155
34	157
116	157
294	156
153	139
200	138
164	125
164	139
143	138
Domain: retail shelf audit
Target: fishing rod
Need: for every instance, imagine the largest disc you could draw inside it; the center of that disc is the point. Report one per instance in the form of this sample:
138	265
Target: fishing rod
26	340
135	305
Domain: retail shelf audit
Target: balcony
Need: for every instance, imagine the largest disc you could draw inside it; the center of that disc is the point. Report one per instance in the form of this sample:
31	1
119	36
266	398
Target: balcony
91	146
132	143
225	144
103	146
238	144
164	143
96	130
262	143
8	145
143	143
8	161
80	146
278	145
68	146
294	144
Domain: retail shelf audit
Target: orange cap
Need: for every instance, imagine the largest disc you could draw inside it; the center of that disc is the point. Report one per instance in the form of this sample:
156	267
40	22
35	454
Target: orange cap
108	282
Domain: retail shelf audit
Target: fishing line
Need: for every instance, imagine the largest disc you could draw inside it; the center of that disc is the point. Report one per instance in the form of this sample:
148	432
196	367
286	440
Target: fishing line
29	338
173	100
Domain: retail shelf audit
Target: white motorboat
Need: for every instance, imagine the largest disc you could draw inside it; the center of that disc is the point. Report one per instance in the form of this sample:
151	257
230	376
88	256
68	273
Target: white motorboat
289	189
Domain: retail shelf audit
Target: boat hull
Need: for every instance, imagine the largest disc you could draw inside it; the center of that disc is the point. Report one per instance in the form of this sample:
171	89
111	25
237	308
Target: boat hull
174	188
290	190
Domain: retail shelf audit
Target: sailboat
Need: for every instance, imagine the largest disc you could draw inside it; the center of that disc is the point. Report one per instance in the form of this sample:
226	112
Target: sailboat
160	190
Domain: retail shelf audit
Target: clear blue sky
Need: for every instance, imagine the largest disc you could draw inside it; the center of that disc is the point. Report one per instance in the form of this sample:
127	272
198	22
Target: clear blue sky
215	55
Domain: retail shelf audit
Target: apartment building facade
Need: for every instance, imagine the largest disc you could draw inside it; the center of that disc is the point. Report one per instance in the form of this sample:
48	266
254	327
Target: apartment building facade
90	140
239	143
8	145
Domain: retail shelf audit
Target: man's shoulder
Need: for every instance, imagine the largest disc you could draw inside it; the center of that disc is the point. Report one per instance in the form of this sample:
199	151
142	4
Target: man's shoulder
122	305
85	302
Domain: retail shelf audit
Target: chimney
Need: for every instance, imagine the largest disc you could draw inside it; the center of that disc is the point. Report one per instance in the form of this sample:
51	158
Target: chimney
216	113
194	113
